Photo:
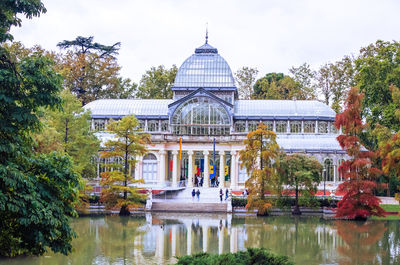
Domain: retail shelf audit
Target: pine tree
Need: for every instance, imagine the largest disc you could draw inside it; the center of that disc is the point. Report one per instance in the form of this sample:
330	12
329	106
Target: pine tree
359	202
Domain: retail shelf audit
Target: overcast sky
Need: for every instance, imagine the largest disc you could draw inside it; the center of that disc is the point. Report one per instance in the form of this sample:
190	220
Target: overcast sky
270	35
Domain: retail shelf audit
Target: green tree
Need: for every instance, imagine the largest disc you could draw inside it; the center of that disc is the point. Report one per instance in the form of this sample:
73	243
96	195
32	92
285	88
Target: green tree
37	194
245	78
302	174
157	82
377	68
260	160
72	134
277	86
129	142
334	80
305	76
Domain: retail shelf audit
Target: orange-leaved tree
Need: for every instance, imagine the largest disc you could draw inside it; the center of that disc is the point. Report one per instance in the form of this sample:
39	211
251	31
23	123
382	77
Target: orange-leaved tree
359	202
119	184
260	158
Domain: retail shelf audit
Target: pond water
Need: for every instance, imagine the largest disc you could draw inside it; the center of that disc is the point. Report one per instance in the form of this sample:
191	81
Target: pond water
158	238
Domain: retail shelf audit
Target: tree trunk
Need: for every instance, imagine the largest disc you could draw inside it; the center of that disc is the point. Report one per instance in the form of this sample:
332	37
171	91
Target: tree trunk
124	211
296	209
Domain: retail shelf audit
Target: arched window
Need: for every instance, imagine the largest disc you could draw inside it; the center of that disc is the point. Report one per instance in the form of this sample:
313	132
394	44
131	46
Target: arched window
149	168
328	169
201	116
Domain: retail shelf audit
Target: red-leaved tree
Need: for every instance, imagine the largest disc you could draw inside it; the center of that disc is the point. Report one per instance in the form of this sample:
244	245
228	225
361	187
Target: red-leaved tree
359	202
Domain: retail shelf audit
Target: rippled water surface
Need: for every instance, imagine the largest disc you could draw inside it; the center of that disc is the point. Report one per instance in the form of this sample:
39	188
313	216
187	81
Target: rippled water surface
158	238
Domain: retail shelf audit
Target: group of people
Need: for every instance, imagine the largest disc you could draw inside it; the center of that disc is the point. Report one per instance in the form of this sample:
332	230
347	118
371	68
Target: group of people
221	194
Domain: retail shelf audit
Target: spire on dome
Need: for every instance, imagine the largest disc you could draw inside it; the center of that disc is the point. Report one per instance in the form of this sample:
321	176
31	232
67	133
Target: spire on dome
207	33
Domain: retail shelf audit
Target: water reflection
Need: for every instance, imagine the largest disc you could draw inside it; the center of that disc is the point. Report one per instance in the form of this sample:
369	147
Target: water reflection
158	238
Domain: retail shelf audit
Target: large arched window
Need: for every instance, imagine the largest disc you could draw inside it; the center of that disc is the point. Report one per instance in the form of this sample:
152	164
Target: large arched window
328	168
201	116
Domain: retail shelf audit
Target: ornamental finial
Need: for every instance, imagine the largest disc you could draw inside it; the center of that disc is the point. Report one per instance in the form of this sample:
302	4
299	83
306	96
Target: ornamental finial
206	32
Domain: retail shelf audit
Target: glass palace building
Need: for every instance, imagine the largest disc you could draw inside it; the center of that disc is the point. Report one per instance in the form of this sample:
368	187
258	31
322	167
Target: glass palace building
205	108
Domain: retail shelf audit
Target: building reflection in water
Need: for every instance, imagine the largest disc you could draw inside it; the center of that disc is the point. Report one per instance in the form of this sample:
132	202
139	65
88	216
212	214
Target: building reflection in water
159	238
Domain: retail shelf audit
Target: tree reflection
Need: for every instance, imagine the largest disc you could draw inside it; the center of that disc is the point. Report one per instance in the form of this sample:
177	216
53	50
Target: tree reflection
361	240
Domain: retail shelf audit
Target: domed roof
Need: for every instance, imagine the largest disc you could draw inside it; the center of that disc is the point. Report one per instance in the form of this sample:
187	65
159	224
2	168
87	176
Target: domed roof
206	69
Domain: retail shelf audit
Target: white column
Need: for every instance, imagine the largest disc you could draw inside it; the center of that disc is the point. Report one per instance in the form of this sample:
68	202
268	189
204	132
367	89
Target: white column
190	169
234	179
138	168
316	126
189	239
233	240
205	237
221	241
173	240
161	180
174	168
206	182
221	169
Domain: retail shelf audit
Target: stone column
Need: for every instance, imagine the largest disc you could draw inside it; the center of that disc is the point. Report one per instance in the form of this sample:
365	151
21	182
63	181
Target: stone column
189	239
206	182
190	169
221	241
234	179
173	240
174	168
221	169
205	237
161	180
316	126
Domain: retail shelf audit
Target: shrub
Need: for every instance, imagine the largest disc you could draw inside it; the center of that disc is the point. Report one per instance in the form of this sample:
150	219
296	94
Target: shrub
259	256
239	202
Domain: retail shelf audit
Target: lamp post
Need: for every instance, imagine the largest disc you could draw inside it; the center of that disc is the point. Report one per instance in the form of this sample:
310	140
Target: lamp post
324	175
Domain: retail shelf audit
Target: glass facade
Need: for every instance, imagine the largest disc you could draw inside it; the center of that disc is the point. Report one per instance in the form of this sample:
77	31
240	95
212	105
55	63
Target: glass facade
201	116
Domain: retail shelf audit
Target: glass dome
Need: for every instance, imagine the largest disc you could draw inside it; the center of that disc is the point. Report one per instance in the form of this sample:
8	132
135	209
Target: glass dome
206	69
201	116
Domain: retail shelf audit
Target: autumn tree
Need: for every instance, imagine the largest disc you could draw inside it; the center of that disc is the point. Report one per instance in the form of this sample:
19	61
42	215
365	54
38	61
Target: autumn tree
91	70
157	83
37	192
260	160
302	174
389	146
245	78
277	86
359	202
305	76
129	142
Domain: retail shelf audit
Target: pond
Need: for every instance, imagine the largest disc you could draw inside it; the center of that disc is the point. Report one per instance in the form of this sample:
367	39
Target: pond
158	238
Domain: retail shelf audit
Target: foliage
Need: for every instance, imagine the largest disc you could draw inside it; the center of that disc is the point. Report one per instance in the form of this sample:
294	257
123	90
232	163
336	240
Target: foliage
334	80
91	70
287	202
304	76
129	142
239	202
250	256
359	201
278	86
69	130
377	68
37	193
260	160
245	78
301	173
157	82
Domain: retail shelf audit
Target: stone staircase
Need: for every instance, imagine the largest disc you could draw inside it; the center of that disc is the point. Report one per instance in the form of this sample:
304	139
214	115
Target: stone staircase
192	207
182	201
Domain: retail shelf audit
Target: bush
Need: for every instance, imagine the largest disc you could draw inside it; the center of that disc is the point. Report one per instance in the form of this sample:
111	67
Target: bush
287	202
250	256
239	202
